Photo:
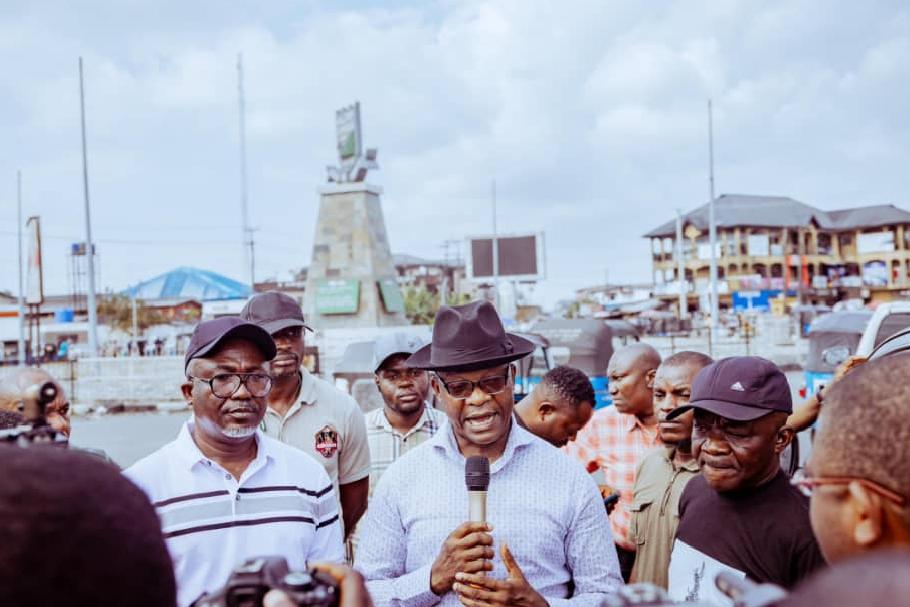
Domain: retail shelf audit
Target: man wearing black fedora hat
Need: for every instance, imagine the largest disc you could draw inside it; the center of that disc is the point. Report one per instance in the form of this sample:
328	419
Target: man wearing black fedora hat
544	513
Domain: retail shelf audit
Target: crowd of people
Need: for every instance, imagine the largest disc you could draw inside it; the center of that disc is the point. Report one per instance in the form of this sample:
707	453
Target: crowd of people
676	483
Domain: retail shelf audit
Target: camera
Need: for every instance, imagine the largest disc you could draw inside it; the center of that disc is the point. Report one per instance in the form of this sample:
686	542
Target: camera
250	582
34	428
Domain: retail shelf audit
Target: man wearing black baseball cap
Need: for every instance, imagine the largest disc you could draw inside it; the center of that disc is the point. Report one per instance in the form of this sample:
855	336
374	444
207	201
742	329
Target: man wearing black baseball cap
415	546
309	413
224	491
741	514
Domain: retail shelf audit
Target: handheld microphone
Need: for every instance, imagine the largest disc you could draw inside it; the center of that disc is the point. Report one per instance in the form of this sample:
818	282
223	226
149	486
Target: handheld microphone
477	479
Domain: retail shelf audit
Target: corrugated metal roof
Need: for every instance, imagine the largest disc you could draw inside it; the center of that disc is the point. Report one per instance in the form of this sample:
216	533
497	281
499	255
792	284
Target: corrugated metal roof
189	283
867	217
782	212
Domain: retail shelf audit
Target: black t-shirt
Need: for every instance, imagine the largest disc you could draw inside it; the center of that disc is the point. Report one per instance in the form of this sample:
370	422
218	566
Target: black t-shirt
764	532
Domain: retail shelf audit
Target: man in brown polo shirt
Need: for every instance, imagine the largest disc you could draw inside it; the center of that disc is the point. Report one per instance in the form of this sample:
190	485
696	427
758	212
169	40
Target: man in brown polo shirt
663	474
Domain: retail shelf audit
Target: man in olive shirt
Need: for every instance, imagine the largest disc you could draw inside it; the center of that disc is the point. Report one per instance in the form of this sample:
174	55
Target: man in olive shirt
663	474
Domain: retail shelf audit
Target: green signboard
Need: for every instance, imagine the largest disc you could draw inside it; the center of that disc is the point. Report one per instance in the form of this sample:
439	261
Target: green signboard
391	296
337	296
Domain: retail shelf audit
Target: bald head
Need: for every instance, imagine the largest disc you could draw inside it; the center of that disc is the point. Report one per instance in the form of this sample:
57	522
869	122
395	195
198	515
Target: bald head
631	374
864	427
639	354
13	386
863	433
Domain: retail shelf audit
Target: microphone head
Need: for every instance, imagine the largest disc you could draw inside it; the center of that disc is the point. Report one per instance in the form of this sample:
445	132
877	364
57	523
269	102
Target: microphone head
477	473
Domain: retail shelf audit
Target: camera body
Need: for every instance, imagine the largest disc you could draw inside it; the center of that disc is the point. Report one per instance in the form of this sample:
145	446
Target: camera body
250	582
34	428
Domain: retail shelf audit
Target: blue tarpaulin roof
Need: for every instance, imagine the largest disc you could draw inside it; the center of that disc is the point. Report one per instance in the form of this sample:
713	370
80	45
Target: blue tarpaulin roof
189	283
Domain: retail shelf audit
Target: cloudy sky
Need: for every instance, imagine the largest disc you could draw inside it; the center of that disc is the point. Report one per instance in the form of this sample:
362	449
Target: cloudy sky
590	115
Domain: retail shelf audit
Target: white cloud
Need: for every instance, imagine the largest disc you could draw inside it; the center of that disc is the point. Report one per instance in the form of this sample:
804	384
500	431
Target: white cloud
590	115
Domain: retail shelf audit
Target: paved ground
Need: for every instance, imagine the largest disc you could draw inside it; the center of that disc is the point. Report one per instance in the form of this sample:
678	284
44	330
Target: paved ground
128	437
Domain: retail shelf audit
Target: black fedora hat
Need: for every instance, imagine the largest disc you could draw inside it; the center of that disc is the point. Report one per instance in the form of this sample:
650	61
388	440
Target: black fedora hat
469	337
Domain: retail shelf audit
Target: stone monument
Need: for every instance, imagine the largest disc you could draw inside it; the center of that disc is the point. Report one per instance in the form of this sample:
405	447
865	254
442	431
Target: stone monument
351	281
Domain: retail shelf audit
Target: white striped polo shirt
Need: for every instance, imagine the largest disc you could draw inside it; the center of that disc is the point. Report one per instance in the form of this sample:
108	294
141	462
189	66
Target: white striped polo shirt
283	505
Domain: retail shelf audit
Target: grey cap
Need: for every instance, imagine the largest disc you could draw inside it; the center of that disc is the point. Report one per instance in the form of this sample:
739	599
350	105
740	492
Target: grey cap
394	343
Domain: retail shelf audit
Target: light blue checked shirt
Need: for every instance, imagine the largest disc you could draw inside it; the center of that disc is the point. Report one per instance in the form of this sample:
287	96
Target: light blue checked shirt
540	501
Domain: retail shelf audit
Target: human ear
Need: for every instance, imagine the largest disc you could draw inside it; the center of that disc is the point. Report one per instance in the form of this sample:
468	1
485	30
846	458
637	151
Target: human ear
434	384
186	388
867	515
783	439
545	410
650	378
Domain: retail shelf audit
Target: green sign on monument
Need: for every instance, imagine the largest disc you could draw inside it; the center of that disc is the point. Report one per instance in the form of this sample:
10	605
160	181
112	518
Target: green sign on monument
337	296
392	300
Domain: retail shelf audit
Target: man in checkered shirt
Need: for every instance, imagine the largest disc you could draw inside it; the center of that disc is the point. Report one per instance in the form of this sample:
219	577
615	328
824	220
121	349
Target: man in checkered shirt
405	419
618	437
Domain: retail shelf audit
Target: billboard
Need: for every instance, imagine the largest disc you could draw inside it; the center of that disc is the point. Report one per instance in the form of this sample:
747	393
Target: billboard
759	245
34	281
347	132
875	242
521	257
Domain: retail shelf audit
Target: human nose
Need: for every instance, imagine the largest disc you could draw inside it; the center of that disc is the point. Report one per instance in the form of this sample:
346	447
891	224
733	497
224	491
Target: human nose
478	396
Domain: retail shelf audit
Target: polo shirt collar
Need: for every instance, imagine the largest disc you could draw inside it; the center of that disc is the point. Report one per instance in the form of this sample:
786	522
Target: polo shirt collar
307	394
630	422
670	450
382	422
189	454
519	438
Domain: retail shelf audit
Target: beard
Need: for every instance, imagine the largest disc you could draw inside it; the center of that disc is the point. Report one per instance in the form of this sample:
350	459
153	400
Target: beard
241	432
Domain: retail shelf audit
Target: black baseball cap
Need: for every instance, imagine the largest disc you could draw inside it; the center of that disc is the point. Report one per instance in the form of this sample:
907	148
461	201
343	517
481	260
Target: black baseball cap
741	388
209	334
273	311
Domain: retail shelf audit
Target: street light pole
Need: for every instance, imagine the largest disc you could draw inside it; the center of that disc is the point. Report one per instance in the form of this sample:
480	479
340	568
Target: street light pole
712	223
89	247
495	250
21	356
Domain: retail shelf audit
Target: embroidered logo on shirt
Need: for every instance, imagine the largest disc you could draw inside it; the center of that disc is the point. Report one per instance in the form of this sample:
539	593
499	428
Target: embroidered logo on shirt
327	441
738	387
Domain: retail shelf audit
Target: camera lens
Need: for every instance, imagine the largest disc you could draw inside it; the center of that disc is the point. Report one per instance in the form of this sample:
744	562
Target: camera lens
299	580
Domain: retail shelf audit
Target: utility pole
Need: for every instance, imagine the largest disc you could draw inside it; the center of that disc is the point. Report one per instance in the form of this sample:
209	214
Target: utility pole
715	308
495	249
89	246
21	355
249	256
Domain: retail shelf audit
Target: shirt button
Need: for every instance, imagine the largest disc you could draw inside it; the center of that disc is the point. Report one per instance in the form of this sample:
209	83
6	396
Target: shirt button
237	497
227	477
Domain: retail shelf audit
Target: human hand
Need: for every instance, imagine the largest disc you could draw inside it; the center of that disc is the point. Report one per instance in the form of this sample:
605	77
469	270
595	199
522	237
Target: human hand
847	366
466	550
475	590
351	587
606	493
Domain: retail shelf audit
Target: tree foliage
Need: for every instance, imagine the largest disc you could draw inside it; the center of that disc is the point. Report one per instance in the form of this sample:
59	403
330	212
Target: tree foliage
117	311
421	304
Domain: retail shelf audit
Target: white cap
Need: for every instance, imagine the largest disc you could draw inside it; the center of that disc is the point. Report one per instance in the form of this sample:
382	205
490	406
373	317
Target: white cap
394	343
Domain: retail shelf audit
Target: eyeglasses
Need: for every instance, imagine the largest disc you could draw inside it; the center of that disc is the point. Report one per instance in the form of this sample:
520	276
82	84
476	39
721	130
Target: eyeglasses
808	483
224	385
463	388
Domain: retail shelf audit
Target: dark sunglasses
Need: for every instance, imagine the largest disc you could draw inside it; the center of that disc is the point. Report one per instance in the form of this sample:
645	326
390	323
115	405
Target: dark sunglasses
463	388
